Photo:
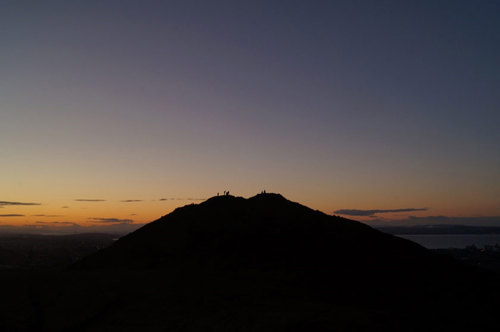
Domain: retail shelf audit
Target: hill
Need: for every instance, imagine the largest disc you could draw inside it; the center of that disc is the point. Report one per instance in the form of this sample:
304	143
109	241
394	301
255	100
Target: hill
264	229
264	264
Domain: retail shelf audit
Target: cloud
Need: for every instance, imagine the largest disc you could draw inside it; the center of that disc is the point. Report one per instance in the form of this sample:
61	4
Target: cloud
11	215
369	213
47	215
3	203
111	220
58	223
131	200
89	200
182	199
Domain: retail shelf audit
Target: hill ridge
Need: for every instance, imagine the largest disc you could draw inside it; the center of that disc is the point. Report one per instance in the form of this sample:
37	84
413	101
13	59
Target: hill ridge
235	252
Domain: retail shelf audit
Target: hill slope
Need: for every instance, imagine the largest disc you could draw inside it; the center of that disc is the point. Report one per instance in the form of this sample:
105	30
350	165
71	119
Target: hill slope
264	229
275	247
262	264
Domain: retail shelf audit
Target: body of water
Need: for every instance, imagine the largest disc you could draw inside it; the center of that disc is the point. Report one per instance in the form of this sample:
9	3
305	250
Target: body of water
444	241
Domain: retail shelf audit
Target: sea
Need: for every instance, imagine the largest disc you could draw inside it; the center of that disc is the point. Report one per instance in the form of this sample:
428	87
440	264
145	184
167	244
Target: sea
445	241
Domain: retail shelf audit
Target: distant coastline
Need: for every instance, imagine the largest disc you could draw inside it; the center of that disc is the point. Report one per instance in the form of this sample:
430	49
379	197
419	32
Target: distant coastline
439	229
447	236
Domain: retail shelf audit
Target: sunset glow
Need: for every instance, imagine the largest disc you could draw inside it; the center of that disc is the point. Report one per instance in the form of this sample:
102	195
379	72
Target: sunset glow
148	108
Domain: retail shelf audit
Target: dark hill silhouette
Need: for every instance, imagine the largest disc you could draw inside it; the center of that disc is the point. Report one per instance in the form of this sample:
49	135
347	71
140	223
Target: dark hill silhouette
258	264
280	249
233	232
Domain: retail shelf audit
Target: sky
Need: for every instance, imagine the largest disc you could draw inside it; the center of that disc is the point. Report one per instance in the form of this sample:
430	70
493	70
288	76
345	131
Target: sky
114	113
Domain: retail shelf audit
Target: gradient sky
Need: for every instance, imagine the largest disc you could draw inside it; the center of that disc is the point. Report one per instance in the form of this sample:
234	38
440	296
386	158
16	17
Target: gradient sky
363	105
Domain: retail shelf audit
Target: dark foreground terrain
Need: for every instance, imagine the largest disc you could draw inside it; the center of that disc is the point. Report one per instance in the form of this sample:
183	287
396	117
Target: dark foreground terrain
30	251
257	264
487	257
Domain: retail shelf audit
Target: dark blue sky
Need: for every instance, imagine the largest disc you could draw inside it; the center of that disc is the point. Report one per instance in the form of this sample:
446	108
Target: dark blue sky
339	104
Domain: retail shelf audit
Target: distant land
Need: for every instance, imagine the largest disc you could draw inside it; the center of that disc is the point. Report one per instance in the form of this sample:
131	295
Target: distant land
440	229
32	251
118	229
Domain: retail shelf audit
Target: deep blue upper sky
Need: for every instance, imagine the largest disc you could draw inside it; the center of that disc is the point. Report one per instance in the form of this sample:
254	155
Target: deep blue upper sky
339	104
